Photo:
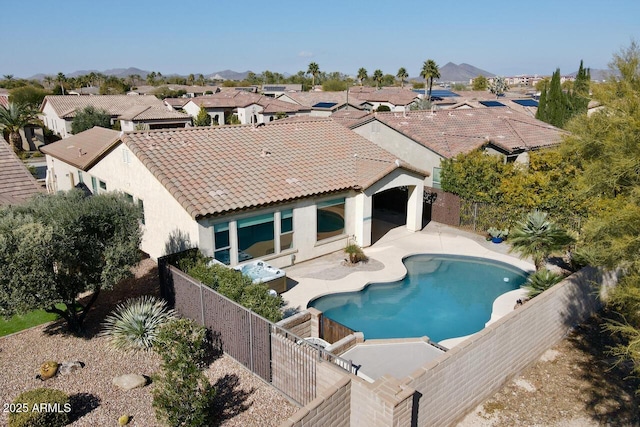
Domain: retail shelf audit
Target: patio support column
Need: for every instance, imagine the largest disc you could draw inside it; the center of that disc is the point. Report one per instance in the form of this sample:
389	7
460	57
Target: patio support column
414	207
363	210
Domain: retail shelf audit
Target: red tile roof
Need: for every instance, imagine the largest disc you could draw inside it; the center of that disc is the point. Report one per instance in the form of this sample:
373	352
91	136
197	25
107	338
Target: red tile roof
217	170
241	99
84	149
449	133
16	182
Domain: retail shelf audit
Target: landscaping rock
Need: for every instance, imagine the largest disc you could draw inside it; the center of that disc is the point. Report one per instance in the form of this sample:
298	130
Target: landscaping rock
129	381
66	368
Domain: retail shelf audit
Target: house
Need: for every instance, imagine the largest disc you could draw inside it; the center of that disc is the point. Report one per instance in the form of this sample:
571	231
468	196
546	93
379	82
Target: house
283	192
424	138
323	104
191	91
395	98
89	90
16	182
58	111
486	99
249	108
175	103
276	90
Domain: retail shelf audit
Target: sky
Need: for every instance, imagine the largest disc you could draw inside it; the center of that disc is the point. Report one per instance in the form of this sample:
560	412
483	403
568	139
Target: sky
202	37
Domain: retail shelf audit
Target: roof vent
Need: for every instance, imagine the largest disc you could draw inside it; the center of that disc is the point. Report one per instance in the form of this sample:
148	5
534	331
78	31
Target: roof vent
80	153
265	153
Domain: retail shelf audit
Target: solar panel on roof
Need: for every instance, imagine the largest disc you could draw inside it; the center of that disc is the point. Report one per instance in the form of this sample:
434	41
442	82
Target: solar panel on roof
526	102
275	88
437	93
324	104
492	104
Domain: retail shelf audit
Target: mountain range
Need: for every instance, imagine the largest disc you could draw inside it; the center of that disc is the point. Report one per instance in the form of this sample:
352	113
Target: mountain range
462	73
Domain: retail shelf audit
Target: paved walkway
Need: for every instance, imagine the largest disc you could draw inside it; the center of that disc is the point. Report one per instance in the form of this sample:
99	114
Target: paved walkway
389	251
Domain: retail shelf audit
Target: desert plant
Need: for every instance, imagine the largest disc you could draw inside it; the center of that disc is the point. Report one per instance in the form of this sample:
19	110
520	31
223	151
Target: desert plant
355	253
539	237
182	395
498	233
48	370
540	281
134	324
41	407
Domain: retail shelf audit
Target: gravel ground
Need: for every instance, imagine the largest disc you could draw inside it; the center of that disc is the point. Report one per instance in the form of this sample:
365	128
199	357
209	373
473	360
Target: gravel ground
243	399
574	384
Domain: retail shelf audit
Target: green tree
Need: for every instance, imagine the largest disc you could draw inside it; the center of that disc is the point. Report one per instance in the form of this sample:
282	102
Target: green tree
88	118
402	75
203	118
56	247
540	281
580	91
554	108
429	72
28	95
475	176
334	85
498	86
191	79
538	237
314	70
61	79
377	77
480	83
114	86
13	118
362	75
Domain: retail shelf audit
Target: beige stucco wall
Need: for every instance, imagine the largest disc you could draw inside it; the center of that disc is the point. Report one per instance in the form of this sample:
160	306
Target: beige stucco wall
55	123
404	147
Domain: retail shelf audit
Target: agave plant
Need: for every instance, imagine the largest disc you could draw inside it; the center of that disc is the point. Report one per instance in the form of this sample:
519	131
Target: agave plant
134	324
540	281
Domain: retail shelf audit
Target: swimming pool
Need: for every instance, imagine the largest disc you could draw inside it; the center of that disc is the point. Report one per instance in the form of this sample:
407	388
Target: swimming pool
442	296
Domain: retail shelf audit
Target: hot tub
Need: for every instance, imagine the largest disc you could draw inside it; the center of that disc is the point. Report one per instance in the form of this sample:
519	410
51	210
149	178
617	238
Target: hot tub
261	272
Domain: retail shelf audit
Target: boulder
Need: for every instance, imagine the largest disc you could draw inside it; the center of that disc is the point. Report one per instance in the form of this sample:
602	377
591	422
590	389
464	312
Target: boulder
66	368
129	381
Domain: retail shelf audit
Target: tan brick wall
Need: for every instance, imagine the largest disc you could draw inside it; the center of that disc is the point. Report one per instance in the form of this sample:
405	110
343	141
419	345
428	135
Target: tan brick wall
330	409
467	375
293	369
299	324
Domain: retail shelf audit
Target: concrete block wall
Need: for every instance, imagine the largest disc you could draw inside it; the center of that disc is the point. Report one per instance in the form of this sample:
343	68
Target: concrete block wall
299	324
331	408
458	381
293	369
386	402
346	343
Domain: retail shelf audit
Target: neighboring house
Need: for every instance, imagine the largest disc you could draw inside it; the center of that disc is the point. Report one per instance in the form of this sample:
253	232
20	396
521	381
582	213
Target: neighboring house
89	90
485	99
276	90
284	192
424	138
16	182
58	111
175	103
249	108
323	104
395	98
191	91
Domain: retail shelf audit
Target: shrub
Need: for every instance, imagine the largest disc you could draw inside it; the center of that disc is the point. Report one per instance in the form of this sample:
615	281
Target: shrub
182	394
54	414
355	253
383	108
134	325
540	281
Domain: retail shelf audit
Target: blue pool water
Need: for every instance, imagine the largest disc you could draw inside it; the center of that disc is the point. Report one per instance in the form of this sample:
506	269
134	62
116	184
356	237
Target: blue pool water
442	296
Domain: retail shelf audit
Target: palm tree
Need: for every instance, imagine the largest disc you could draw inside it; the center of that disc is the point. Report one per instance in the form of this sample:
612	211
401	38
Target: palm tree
314	70
13	118
402	74
362	74
191	79
61	79
377	77
8	77
430	71
538	237
48	80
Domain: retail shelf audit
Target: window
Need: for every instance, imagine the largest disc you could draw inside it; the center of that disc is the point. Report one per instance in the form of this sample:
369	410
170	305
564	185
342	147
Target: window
94	184
129	197
222	243
255	236
103	185
141	206
286	229
330	219
125	156
436	178
80	178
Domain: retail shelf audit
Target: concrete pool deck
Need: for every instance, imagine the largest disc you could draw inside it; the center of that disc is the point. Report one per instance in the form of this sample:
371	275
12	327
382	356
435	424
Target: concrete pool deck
389	251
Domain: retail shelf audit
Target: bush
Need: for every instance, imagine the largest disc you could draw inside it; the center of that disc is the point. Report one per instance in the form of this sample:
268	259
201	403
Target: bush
355	253
383	108
182	394
43	407
134	325
540	281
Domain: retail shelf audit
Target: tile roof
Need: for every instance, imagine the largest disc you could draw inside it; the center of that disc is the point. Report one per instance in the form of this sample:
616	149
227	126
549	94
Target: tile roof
66	106
395	96
240	99
16	182
146	89
84	149
217	170
141	113
176	102
4	101
449	133
349	117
